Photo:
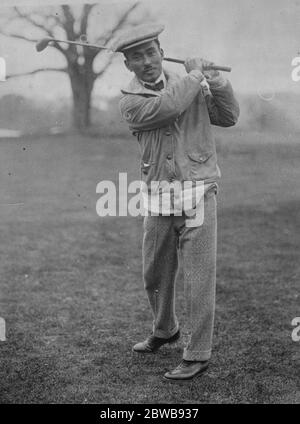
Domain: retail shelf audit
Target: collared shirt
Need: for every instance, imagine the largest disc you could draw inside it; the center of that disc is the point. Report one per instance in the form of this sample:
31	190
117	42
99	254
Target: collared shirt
204	84
162	77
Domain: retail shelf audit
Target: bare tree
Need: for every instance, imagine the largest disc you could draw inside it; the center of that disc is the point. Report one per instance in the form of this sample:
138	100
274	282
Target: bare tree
80	61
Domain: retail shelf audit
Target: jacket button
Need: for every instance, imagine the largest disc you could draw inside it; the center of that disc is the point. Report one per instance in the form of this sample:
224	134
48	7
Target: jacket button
169	157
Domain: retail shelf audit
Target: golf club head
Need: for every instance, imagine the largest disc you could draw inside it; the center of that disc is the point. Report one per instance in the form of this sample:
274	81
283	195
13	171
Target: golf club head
42	44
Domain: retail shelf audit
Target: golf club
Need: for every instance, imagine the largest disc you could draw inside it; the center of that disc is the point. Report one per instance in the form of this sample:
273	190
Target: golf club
44	42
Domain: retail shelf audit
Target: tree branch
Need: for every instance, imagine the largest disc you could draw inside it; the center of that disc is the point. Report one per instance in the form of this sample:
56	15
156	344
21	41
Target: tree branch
33	22
30	20
119	24
32	40
69	22
36	71
21	37
86	10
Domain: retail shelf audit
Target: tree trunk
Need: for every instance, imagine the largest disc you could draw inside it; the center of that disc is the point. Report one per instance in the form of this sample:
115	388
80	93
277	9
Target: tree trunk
82	82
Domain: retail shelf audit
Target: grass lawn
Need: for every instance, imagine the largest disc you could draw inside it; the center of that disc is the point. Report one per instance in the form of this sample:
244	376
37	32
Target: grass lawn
70	282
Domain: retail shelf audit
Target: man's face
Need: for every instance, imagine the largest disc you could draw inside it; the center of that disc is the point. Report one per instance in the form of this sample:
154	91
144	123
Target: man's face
145	61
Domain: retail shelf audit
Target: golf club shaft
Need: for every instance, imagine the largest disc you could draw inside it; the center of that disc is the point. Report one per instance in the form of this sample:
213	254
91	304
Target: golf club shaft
213	67
170	59
78	43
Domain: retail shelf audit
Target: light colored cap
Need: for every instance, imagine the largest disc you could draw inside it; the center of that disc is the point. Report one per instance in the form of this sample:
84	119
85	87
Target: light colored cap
137	35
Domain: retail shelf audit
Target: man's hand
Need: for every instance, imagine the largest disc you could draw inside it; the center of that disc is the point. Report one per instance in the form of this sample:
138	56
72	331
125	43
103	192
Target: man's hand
200	64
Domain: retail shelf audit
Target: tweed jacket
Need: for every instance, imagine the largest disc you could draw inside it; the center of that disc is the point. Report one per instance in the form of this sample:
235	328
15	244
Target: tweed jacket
174	127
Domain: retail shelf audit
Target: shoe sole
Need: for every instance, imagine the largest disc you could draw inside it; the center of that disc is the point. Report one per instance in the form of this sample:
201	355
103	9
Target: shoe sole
156	350
186	380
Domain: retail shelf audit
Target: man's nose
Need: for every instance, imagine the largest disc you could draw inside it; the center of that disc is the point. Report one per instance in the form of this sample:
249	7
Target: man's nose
147	60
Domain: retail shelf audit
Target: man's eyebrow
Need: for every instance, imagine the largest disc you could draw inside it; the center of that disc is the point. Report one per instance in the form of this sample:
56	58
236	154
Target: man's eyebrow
136	54
140	53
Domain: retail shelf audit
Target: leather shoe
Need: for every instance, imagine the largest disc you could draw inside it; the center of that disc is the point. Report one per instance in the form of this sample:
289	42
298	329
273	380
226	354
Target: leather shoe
152	343
187	370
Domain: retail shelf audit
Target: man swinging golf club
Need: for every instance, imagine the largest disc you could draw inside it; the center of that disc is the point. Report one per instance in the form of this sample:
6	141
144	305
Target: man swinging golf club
171	117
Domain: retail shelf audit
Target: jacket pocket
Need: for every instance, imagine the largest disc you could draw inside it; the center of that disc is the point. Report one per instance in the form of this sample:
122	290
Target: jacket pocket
200	157
202	165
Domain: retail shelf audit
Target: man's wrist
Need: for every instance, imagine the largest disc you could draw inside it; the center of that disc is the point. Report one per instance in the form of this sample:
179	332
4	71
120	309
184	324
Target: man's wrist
196	73
218	81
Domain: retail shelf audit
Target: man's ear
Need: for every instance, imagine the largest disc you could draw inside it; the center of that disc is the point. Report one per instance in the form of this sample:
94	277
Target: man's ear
162	53
127	65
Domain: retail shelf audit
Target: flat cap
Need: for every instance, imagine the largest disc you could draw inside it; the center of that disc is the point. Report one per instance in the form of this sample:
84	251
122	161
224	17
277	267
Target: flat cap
137	35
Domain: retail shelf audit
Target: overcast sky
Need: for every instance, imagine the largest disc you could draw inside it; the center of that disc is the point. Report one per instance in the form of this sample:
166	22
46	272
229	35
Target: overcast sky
258	38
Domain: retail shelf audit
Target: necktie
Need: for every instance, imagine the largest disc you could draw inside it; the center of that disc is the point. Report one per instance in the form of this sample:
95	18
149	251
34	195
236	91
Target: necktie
156	87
